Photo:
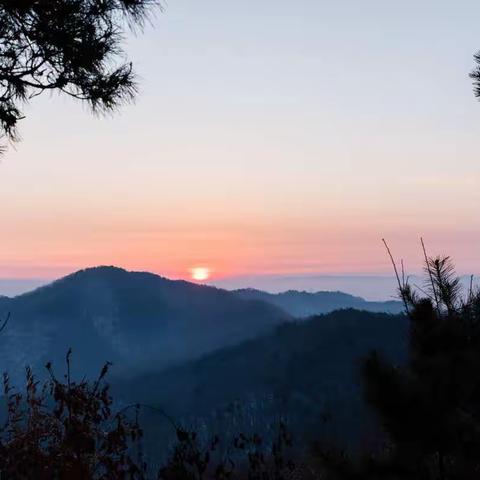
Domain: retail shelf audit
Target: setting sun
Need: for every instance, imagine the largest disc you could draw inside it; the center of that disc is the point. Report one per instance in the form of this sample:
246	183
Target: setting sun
200	273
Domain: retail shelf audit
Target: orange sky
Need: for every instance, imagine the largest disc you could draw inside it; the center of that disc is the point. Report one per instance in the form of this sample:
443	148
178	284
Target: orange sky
293	149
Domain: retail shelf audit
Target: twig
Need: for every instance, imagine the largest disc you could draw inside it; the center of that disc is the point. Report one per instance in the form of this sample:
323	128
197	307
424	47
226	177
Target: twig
423	291
430	274
400	285
151	407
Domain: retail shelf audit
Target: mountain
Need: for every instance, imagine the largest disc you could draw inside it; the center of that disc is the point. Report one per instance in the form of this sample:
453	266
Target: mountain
130	318
305	304
305	372
221	360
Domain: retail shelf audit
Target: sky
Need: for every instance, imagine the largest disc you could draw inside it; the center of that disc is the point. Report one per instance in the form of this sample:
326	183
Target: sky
268	139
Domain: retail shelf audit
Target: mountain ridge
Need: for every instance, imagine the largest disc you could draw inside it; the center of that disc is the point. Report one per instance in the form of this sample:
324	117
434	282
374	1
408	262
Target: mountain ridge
302	372
304	304
131	318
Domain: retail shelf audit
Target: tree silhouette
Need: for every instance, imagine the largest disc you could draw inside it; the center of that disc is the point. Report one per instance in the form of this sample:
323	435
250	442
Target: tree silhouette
429	408
69	46
475	75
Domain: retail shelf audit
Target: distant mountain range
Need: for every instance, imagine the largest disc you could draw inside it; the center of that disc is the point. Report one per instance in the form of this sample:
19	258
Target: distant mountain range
205	354
141	321
305	304
11	287
133	319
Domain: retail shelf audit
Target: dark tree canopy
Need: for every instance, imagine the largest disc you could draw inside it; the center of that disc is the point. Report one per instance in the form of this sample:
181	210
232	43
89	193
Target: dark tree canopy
475	75
429	407
68	46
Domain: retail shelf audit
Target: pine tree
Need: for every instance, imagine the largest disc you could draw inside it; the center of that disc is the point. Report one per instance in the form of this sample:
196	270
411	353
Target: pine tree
72	47
429	408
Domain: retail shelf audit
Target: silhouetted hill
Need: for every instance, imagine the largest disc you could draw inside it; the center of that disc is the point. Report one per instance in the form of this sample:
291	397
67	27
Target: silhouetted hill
130	318
305	372
305	304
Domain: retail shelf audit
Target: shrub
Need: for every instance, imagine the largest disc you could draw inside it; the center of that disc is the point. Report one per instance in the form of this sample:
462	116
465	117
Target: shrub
67	430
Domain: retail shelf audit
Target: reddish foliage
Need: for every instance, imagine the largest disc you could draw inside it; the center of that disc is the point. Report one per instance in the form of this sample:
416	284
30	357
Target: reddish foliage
67	430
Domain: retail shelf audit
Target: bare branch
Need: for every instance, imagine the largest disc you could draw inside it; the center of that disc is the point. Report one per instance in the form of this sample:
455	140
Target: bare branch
401	286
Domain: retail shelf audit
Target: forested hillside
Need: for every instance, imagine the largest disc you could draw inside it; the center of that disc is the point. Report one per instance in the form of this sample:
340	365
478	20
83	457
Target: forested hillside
305	372
136	320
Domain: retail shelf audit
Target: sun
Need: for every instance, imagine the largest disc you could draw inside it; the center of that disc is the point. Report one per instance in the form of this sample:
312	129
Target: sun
200	274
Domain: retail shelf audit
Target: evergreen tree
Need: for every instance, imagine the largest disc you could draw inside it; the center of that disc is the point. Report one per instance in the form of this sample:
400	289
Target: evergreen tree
72	47
429	408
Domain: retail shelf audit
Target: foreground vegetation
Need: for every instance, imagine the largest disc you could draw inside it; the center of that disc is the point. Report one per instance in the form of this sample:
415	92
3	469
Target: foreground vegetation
428	406
69	430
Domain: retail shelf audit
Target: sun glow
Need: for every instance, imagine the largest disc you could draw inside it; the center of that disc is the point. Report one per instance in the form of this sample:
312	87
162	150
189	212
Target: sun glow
200	274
